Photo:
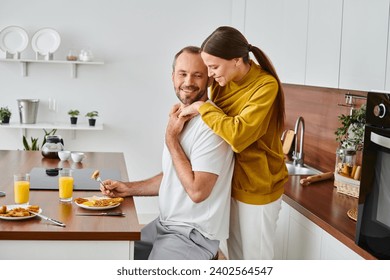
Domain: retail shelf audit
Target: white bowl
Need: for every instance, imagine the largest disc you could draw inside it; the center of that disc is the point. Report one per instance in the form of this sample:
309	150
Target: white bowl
77	157
64	155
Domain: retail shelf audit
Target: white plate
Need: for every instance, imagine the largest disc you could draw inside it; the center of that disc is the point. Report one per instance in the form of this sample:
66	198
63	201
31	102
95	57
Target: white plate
45	41
10	207
94	207
13	39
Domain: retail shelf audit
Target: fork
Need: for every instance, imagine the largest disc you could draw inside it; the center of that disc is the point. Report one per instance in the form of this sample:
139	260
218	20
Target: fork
96	177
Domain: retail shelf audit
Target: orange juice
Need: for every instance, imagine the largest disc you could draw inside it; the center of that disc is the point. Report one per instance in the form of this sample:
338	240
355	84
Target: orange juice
22	191
65	188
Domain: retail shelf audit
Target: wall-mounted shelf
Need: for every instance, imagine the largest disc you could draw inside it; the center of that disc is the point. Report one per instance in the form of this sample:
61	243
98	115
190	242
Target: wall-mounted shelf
59	126
73	64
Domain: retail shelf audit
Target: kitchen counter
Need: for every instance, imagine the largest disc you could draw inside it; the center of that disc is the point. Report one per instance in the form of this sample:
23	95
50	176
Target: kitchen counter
83	237
323	205
319	202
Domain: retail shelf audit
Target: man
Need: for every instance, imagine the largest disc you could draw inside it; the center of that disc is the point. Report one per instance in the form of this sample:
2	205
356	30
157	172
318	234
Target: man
195	184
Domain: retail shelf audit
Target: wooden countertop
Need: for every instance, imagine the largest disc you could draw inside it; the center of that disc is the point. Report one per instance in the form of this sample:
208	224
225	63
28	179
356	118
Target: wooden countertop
322	204
77	227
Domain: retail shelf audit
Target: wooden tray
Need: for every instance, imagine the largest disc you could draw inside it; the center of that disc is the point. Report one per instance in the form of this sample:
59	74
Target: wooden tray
352	213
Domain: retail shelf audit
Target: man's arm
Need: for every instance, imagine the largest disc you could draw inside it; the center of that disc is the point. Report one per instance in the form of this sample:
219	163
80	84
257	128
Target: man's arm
148	187
198	185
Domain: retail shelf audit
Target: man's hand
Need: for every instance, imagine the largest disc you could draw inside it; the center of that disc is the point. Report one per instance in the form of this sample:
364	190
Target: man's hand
114	188
175	123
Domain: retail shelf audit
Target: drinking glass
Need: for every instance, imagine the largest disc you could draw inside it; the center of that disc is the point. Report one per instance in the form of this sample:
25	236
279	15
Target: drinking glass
65	185
22	188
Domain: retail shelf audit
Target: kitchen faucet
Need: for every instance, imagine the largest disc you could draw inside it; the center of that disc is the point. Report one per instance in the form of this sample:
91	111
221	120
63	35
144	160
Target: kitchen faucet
298	156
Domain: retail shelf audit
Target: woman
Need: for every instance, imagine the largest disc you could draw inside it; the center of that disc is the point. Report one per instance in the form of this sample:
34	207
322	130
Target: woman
249	115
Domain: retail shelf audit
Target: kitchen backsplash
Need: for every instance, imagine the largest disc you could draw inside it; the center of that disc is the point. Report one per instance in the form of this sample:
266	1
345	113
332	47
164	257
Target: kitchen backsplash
320	108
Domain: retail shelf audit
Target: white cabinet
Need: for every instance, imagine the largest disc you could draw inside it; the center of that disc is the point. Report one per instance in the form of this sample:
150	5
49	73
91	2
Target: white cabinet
347	44
304	238
279	28
332	249
328	43
323	43
364	44
298	238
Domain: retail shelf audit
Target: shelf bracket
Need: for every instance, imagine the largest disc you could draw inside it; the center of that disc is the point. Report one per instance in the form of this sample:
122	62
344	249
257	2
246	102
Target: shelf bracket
73	70
24	68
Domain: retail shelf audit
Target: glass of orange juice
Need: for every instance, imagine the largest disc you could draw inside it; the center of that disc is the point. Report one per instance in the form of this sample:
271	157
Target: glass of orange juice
65	185
22	188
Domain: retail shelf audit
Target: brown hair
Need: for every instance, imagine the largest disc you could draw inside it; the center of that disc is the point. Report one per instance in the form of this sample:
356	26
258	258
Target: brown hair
227	43
188	49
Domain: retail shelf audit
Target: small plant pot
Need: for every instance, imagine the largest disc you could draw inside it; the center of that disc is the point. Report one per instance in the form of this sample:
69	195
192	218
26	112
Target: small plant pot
5	120
92	122
73	120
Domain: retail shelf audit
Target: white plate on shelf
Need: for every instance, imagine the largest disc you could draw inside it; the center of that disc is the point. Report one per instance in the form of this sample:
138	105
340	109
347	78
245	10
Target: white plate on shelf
95	207
10	207
13	39
45	41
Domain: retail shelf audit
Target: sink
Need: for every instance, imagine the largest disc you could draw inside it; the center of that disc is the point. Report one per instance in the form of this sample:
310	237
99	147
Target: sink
301	170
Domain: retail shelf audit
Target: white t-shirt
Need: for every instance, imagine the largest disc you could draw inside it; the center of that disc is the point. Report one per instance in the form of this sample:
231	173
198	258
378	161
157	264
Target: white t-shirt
207	152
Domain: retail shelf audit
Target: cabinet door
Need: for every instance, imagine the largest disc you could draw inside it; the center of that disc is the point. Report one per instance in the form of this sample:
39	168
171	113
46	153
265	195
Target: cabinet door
364	44
332	249
304	238
298	238
323	43
279	28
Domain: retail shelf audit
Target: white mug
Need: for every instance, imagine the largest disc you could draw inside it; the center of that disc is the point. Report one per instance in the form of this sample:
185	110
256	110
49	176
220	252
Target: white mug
77	157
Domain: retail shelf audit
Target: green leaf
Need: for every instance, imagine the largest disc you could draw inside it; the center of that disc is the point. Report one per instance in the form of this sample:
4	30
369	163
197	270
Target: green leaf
351	132
25	144
34	144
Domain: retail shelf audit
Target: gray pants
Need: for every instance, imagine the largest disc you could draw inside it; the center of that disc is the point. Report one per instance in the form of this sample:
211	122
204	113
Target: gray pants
160	242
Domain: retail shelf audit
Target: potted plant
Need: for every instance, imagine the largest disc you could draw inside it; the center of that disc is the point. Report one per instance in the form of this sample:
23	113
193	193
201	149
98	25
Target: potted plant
5	115
351	134
73	116
92	115
34	145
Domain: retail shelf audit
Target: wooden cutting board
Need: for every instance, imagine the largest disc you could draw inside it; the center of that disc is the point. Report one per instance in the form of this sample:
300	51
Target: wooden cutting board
288	141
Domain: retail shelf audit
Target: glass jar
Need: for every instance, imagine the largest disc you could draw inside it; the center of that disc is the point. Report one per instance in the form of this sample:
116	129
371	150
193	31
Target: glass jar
72	55
345	161
85	55
53	145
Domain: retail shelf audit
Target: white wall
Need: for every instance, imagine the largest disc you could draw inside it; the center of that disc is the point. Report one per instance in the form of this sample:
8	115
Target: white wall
132	91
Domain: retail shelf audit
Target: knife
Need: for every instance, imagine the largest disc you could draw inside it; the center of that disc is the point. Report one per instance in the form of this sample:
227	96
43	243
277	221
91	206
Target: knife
58	223
102	214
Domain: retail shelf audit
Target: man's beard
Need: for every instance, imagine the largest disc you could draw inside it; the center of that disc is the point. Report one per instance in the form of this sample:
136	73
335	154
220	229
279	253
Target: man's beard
187	100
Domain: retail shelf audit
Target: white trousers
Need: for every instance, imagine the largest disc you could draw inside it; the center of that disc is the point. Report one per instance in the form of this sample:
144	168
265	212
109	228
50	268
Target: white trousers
252	230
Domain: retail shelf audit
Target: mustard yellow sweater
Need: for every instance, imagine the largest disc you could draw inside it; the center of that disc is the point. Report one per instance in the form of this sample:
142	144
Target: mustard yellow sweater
247	120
